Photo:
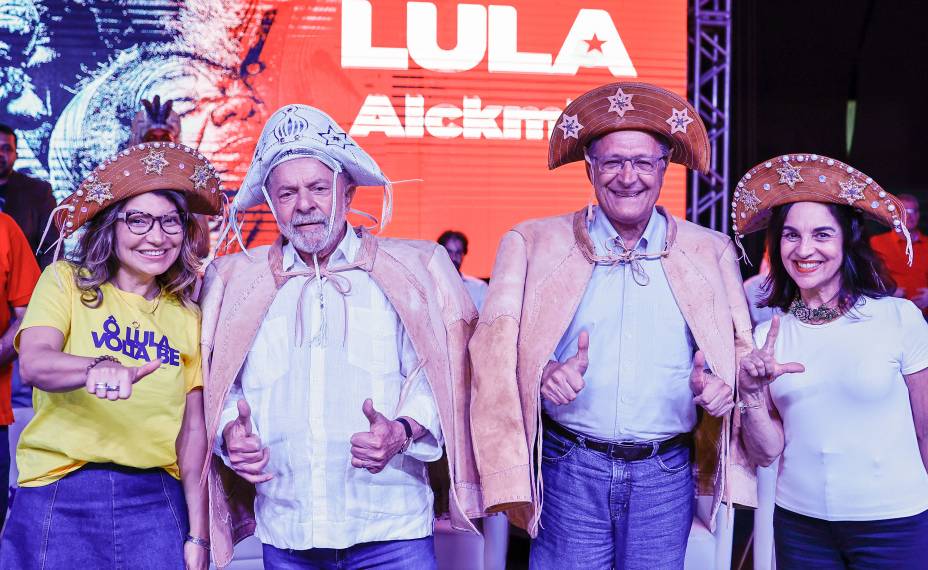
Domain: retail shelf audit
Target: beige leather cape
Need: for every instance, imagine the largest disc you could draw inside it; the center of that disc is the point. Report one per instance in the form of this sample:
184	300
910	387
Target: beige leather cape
429	297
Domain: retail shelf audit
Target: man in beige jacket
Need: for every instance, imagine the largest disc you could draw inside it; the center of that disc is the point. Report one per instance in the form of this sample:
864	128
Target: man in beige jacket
335	370
606	350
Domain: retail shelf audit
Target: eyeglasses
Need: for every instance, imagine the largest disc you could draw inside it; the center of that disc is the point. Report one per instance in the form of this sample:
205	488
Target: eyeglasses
140	223
615	164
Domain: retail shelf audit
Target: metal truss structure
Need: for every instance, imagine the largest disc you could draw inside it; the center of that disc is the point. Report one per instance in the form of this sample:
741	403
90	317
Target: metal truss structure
710	86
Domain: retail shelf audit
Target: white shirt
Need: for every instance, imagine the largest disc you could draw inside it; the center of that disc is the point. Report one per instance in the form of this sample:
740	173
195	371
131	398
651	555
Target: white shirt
641	350
306	404
851	452
476	288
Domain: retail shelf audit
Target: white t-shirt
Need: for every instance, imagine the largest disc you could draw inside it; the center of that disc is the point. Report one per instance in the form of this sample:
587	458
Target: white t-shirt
851	453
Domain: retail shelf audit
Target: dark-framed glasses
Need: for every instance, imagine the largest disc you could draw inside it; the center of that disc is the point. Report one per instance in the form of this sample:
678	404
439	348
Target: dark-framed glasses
615	164
141	223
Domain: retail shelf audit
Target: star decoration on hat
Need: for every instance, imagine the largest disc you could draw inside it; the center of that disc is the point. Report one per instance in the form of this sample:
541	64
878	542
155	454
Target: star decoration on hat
679	120
99	192
748	199
852	190
154	162
336	138
620	102
200	176
789	175
571	127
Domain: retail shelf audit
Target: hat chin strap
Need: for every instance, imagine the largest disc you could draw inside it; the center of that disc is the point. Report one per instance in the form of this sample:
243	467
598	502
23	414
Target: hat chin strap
909	252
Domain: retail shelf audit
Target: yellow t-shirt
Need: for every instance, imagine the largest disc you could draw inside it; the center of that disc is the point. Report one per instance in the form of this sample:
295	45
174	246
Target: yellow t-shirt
73	428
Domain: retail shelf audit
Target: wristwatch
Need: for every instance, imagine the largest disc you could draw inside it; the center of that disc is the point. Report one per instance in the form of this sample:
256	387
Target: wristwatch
408	429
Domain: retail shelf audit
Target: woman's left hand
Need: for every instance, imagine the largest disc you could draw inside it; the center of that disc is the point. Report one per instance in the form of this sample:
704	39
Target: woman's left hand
195	557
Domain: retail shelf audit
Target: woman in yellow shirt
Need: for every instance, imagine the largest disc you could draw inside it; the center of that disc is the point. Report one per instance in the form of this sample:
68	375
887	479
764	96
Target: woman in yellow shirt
110	467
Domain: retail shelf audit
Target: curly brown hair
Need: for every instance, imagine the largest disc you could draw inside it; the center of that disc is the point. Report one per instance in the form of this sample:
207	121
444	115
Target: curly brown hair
96	261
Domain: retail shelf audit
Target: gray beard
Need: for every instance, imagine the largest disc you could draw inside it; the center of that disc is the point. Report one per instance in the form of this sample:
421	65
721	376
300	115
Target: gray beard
302	243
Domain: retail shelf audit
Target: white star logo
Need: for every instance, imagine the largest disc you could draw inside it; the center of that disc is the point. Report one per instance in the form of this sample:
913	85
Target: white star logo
679	120
789	175
621	102
154	162
748	199
99	192
571	127
852	190
200	176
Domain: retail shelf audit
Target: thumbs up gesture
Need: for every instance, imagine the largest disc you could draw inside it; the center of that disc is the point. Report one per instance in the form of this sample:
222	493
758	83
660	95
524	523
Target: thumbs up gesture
760	368
246	454
373	449
112	381
562	381
711	392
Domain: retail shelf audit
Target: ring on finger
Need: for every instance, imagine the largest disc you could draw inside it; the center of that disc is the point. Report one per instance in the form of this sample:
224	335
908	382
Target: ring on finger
111	387
100	386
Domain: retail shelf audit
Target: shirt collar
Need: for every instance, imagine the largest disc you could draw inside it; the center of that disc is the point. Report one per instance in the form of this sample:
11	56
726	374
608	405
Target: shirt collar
345	253
602	232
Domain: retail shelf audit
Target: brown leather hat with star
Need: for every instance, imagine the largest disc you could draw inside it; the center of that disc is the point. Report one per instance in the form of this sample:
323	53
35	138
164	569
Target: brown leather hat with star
806	177
809	178
140	169
627	106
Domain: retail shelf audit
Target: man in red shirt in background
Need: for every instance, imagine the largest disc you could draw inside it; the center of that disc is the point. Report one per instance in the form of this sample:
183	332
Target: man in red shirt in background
19	273
911	282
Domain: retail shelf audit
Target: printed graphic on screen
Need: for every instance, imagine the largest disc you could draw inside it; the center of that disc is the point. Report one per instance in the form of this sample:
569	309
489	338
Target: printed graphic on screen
460	95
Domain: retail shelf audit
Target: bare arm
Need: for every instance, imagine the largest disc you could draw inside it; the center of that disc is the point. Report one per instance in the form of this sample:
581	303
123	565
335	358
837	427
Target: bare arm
191	458
7	352
42	364
761	426
917	384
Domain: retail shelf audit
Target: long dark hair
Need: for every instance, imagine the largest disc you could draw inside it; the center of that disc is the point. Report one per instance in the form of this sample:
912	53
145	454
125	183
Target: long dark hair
96	261
862	272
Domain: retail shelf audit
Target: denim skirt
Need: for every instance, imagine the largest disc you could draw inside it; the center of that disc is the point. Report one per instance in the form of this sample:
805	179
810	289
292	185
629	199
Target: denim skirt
102	516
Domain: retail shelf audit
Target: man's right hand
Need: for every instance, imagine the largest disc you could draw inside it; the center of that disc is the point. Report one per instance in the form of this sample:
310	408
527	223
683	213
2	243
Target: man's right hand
246	455
562	381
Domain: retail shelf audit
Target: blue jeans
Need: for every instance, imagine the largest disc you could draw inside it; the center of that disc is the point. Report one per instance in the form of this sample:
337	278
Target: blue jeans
608	513
100	517
806	542
415	554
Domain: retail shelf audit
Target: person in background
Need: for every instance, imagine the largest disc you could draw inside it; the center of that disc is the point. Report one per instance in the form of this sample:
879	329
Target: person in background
27	200
495	527
455	243
111	465
755	289
911	282
18	275
838	388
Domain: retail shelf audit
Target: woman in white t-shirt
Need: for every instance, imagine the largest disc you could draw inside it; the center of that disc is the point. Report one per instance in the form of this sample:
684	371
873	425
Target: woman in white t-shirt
839	385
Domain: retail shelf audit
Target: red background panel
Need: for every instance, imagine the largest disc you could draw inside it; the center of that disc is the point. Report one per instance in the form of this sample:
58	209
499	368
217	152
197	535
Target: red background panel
476	185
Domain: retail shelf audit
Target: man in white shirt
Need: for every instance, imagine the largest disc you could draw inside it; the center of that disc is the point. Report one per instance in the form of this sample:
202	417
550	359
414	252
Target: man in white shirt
591	357
455	243
333	372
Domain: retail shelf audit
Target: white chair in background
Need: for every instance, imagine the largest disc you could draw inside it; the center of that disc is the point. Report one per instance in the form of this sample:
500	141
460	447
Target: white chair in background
706	550
764	554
